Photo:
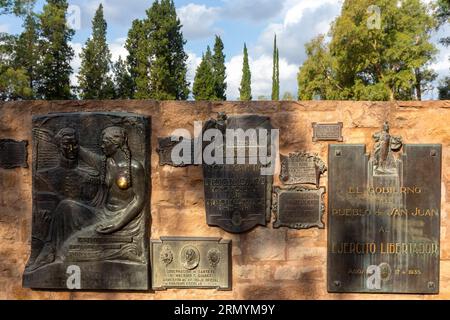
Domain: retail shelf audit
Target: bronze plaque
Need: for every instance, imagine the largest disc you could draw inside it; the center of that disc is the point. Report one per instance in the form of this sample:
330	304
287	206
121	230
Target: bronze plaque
384	217
91	194
301	168
165	147
179	262
298	207
237	194
327	132
13	154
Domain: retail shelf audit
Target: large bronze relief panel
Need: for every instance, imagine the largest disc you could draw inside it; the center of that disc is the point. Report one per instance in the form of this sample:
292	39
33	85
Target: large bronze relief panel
384	217
91	197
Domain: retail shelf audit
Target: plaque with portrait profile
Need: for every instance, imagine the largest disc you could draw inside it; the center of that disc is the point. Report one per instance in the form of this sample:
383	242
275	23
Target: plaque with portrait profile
91	200
186	262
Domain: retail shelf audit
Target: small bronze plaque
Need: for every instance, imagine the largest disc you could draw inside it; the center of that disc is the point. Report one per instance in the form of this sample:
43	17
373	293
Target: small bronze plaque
165	147
297	207
327	132
13	154
179	262
384	217
301	168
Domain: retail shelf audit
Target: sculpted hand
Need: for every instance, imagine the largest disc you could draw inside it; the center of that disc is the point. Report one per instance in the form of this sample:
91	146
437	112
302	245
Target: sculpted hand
107	229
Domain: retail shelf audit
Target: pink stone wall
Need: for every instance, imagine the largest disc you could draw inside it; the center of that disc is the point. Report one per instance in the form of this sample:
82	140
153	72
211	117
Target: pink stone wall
267	263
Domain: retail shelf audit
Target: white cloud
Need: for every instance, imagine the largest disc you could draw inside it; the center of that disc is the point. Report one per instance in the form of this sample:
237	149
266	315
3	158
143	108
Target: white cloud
192	64
198	20
254	10
117	48
116	11
302	21
76	62
4	28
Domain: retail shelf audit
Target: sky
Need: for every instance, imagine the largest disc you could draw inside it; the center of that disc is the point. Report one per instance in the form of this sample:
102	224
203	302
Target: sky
253	22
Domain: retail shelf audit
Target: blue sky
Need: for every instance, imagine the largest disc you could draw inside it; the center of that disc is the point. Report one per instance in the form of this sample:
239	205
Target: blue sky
236	21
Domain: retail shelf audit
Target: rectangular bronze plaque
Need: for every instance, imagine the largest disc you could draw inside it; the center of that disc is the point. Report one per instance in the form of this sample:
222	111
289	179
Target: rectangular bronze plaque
327	132
91	202
298	207
384	218
237	194
179	262
165	148
301	168
13	154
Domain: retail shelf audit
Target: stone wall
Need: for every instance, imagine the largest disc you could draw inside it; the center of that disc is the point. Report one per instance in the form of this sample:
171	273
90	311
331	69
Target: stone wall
267	263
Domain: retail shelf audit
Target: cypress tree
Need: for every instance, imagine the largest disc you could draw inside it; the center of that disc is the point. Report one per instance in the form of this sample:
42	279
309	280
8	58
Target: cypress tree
137	60
26	51
122	80
94	78
219	69
204	85
276	72
245	90
55	52
168	67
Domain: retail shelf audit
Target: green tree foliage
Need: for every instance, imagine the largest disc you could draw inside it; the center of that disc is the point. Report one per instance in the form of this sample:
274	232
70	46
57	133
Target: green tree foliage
55	52
27	51
219	70
245	89
168	67
276	72
94	77
443	16
204	85
17	7
316	76
444	89
157	58
371	61
137	60
14	82
287	96
124	87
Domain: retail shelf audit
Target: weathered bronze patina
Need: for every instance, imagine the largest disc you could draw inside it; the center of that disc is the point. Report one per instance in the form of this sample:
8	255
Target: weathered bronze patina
13	154
327	132
298	207
384	217
90	202
179	262
237	194
301	168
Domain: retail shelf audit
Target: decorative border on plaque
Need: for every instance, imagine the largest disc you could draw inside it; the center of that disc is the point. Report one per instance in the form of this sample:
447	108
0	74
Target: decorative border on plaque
287	177
191	255
13	154
277	191
336	126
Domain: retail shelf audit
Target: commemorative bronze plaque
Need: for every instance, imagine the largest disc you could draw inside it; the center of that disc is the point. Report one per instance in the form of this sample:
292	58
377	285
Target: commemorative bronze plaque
165	148
91	193
384	217
179	262
298	207
13	154
327	132
238	191
301	168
